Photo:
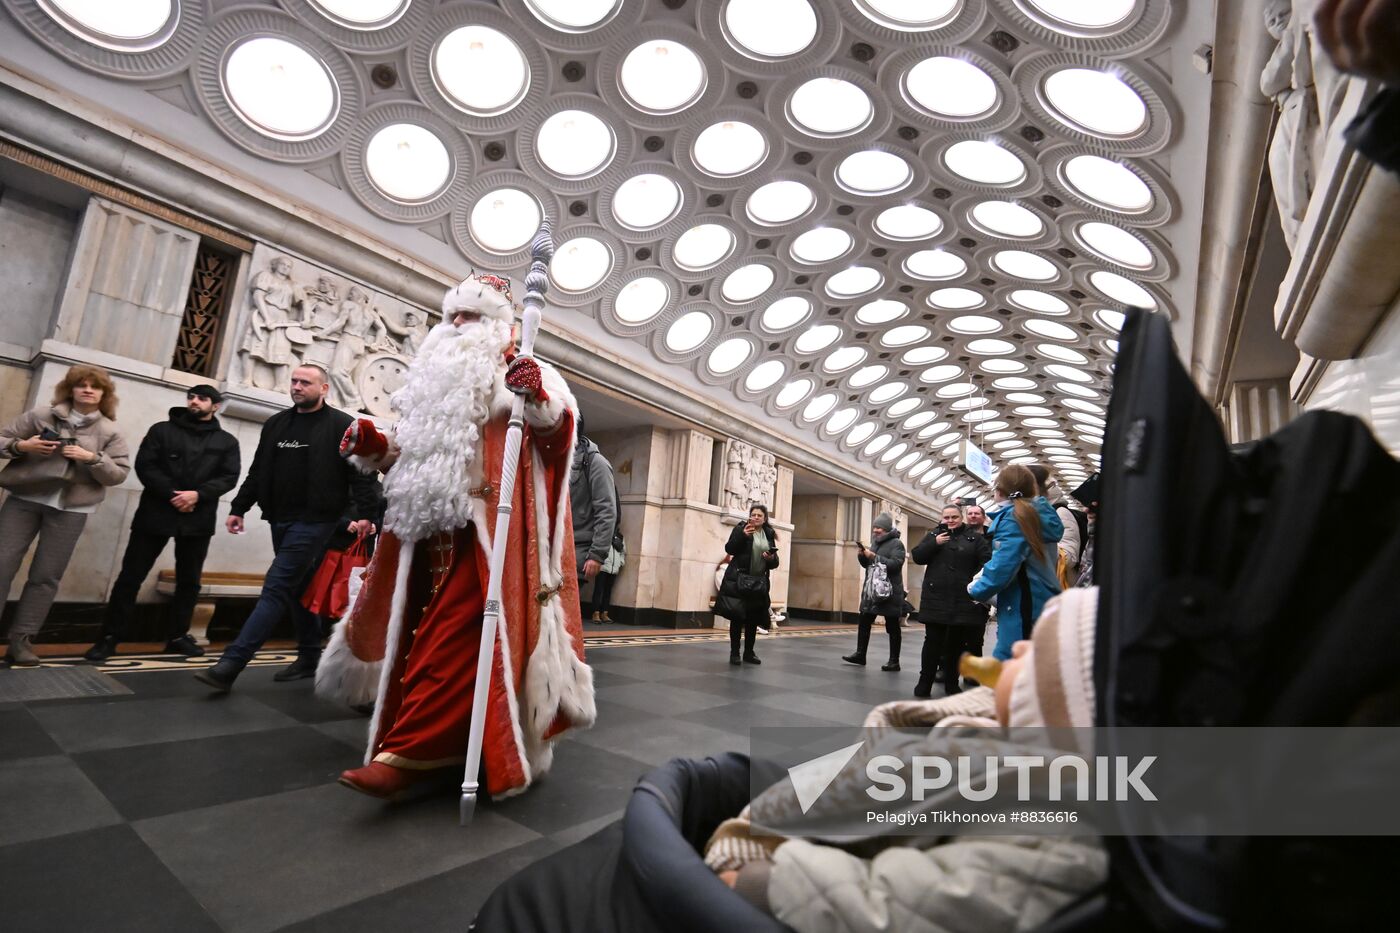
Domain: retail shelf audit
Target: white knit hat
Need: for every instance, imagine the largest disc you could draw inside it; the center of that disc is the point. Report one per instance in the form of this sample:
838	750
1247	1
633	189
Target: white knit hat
1055	686
487	295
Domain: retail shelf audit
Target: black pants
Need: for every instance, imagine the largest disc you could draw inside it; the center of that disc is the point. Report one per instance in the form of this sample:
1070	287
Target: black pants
755	614
142	550
602	591
891	627
943	645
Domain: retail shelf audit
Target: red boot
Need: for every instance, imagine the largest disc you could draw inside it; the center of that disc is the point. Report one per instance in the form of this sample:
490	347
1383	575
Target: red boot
389	783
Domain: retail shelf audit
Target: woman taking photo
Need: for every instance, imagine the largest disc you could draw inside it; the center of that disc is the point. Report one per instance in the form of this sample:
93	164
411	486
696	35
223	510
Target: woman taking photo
953	621
753	545
1024	533
61	459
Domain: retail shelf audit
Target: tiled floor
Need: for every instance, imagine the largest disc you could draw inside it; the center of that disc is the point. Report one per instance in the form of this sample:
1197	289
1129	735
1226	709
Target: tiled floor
171	809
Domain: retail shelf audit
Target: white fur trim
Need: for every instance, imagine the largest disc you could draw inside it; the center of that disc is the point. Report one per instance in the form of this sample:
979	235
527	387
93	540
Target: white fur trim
365	464
471	294
391	640
341	677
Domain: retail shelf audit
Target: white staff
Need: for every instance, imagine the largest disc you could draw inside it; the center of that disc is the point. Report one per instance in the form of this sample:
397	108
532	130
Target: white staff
541	251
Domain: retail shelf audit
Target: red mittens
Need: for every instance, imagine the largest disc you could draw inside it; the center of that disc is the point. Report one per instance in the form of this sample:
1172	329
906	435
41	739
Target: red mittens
363	439
523	377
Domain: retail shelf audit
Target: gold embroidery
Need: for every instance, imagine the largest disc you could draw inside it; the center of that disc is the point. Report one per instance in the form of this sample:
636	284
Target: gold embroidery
482	492
545	593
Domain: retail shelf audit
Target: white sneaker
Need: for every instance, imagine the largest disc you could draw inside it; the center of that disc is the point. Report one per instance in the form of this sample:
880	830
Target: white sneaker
763	631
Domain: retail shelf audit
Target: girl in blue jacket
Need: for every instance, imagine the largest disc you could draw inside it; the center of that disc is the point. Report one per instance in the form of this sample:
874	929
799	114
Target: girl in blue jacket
1021	573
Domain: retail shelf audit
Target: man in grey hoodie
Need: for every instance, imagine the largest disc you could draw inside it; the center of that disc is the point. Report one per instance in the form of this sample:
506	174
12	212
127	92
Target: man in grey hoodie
593	504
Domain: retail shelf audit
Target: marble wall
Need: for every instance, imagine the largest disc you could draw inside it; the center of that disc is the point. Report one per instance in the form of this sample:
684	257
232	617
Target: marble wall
1368	386
35	239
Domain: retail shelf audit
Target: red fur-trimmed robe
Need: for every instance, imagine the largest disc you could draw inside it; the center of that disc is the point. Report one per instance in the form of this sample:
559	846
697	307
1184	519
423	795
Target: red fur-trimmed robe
540	685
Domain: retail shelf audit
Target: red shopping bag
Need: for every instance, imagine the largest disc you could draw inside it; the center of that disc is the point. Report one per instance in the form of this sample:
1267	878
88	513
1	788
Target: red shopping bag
328	593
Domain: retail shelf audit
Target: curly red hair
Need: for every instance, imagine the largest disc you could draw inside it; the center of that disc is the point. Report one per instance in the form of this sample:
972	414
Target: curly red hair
94	376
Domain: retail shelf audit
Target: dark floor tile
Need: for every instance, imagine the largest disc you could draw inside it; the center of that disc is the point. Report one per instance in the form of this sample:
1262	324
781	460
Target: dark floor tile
45	797
103	879
299	701
747	687
659	699
664	740
258	865
832	709
584	783
351	732
153	780
739	718
106	724
21	736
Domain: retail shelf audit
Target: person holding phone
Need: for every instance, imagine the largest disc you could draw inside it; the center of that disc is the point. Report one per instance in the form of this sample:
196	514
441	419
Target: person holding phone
953	621
753	545
61	459
882	593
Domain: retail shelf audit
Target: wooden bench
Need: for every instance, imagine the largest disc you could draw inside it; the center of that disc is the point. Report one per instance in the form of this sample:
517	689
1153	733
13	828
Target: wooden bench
212	585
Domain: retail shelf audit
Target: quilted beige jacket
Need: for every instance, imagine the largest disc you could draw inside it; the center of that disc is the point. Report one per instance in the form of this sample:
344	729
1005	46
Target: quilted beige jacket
83	484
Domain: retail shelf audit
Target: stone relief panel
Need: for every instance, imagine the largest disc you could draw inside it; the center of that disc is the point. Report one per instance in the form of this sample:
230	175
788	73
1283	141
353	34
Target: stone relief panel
750	477
295	313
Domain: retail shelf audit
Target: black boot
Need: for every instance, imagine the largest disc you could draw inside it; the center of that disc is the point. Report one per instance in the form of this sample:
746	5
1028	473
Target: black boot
221	675
106	647
751	658
854	659
184	644
734	659
300	669
924	688
891	665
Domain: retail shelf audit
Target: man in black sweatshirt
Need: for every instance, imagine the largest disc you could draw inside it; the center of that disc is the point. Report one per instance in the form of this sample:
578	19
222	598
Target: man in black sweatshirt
185	465
303	487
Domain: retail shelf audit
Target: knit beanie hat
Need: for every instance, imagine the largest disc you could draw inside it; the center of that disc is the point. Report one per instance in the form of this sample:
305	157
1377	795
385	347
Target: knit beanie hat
1055	686
884	522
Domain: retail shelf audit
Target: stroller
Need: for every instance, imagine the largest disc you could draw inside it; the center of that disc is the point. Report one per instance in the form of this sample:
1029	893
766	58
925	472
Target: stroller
1229	597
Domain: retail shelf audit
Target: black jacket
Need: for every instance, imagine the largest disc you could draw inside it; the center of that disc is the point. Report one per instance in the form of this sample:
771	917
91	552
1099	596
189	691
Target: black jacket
740	546
334	487
181	454
951	567
890	552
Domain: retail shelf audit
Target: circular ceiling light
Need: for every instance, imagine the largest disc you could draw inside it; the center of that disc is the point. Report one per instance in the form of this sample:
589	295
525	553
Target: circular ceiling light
689	331
729	356
919	468
933	429
1116	245
951	437
908	222
1041	302
956	390
879	444
861	432
785	313
1068	372
830	107
887	392
951	87
984	163
817	338
941	373
974	324
1086	14
580	264
1113	320
764	375
1052	330
1087	419
1069	388
1108	183
821	244
780	202
1124	291
990	346
356	14
867	375
1027	398
1006	445
908	15
646	201
873	171
921	355
729	148
893	452
935	264
903	336
998	367
703	247
1063	354
967	404
641	299
1023	265
505	220
407	162
819	406
746	283
481	70
1014	384
842	420
973	417
280	89
955	299
574	144
881	311
1038	411
844	358
126	23
1039	423
1084	406
1098	101
572	15
792	393
853	282
661	76
917	421
770	28
1005	219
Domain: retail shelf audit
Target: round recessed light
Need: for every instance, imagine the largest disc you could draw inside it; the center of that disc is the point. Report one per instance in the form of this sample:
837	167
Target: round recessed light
407	162
1107	183
951	87
873	171
1040	302
1023	265
817	338
1087	419
1084	406
1068	372
955	299
641	299
919	468
853	282
860	433
567	15
1014	383
879	444
729	148
574	144
886	392
941	373
505	220
746	283
1037	411
933	429
990	346
868	375
280	88
820	406
1039	423
956	390
842	420
643	202
908	222
1025	398
908	15
780	202
794	392
764	375
729	356
984	163
1097	101
689	331
1116	245
770	28
703	247
1086	14
830	107
844	358
1000	367
821	244
661	76
785	313
919	420
1071	388
893	452
881	311
935	264
481	70
1124	291
1113	320
973	417
904	335
126	23
921	355
580	263
1063	354
967	404
1052	330
1005	219
974	324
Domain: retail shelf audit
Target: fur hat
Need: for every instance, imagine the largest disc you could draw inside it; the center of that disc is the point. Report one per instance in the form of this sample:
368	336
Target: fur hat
487	295
884	522
1055	686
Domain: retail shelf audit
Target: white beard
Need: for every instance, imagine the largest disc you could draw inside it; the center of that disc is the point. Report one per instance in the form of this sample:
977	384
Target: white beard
443	405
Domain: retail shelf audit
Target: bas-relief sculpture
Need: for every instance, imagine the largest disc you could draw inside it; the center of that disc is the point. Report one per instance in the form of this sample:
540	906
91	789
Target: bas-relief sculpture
750	476
363	341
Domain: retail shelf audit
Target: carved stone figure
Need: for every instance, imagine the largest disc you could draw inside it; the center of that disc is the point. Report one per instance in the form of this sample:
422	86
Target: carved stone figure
762	478
1295	150
266	351
355	327
735	491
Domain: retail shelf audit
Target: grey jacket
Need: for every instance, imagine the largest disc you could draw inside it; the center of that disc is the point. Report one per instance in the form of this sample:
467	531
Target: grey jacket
83	484
889	550
592	502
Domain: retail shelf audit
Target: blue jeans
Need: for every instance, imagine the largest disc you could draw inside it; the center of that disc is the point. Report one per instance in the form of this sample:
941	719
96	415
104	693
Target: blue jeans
297	548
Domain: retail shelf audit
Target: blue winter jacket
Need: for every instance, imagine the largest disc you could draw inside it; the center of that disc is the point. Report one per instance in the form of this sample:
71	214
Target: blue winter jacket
1000	575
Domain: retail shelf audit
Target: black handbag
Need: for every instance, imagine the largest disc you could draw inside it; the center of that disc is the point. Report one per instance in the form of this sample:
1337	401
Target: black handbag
751	584
730	607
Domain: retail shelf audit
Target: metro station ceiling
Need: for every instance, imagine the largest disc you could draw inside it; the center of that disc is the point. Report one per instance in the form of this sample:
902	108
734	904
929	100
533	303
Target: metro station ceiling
893	223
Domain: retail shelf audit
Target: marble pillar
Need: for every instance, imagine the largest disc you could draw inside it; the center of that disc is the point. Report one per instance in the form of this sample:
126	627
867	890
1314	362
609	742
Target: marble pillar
826	576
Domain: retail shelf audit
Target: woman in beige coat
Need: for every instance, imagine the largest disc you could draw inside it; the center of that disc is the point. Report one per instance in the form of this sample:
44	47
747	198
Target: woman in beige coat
61	459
